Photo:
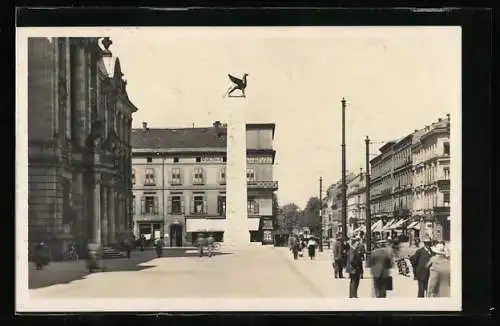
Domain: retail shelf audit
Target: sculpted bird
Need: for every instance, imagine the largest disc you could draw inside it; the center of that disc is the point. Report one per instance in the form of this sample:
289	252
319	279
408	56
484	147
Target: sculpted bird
240	84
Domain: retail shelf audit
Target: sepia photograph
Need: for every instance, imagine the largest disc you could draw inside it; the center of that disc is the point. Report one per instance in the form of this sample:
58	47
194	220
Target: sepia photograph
238	169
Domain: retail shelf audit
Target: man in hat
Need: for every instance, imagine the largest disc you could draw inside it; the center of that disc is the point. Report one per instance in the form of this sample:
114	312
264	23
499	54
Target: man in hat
380	265
354	266
337	256
419	262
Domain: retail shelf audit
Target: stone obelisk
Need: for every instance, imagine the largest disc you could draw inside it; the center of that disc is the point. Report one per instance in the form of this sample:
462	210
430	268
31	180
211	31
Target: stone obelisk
237	233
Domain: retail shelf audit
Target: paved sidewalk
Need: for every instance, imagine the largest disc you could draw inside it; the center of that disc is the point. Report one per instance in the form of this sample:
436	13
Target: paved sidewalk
320	272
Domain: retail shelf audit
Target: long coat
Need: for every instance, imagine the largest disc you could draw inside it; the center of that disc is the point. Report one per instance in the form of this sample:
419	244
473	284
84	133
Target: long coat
439	277
337	250
380	263
419	262
354	261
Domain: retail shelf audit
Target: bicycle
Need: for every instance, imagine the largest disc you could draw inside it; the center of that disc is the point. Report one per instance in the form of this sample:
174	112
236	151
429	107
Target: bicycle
216	246
71	255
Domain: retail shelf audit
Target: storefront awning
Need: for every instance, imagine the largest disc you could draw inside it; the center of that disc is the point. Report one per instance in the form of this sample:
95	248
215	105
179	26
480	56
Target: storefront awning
205	225
388	225
376	225
398	224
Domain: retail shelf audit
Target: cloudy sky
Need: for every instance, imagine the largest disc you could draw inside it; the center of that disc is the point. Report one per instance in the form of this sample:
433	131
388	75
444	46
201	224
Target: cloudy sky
394	80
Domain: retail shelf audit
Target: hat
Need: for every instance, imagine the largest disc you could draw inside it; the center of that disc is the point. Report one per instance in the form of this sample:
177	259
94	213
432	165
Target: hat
439	249
427	239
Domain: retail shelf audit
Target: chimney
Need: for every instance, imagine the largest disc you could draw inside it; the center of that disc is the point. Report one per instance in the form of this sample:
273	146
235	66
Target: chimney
439	120
448	116
145	125
416	130
217	124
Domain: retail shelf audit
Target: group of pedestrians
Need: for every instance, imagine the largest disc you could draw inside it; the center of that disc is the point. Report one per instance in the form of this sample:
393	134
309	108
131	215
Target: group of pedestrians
208	242
431	270
297	244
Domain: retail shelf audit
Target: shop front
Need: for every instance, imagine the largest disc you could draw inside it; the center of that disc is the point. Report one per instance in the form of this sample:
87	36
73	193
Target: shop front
267	231
149	231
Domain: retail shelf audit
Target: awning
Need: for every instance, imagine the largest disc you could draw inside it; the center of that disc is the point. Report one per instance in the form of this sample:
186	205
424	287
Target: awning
388	225
376	225
412	225
205	225
379	228
398	224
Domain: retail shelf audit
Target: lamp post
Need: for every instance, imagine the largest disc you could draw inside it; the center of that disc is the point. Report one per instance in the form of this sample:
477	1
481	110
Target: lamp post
344	186
320	214
367	204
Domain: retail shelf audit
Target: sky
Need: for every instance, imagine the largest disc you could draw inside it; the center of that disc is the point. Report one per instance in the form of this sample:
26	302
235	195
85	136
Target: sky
394	80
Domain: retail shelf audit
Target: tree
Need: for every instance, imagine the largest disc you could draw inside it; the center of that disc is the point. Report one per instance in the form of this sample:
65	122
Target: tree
289	217
310	216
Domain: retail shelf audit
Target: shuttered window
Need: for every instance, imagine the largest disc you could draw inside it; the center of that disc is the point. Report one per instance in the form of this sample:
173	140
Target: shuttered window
176	177
149	177
198	176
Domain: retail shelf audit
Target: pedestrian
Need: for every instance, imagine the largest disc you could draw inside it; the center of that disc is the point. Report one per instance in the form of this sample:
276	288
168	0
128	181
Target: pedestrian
419	262
92	260
159	247
142	241
439	273
337	257
345	252
210	244
380	265
200	242
128	246
40	255
362	252
311	247
354	267
294	243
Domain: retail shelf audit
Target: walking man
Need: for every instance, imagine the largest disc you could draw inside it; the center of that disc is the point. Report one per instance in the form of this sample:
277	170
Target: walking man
337	256
381	264
201	243
354	267
210	244
419	261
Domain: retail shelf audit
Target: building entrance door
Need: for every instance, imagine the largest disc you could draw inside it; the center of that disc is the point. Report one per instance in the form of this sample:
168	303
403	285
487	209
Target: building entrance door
176	235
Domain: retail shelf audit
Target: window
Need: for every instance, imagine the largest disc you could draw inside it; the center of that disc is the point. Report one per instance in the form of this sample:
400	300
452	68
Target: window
176	176
198	204
221	205
222	175
446	148
176	160
149	178
224	159
176	205
149	159
198	159
250	175
446	173
149	205
198	178
133	177
252	206
446	199
133	205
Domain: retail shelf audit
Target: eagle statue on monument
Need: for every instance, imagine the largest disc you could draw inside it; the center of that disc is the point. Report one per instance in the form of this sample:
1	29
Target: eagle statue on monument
239	84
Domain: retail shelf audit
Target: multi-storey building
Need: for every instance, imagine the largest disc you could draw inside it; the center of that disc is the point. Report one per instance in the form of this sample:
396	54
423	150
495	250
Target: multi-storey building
179	178
79	119
431	179
333	208
381	183
356	200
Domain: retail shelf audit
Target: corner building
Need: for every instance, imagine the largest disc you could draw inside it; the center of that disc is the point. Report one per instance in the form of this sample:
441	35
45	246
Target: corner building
179	182
79	122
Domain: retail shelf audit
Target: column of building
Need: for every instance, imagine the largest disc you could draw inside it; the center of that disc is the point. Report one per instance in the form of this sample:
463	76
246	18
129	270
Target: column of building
79	126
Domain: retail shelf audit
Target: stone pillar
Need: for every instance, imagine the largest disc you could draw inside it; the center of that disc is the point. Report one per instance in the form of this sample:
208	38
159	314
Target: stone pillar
96	231
79	119
79	210
104	220
111	214
237	227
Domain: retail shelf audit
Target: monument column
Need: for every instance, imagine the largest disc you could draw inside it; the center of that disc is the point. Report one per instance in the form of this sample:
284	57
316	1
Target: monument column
237	231
111	214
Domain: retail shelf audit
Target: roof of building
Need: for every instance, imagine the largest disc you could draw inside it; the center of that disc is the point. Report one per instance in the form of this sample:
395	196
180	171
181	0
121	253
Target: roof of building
179	138
190	138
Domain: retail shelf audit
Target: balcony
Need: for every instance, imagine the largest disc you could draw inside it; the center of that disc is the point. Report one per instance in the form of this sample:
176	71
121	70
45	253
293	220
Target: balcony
269	185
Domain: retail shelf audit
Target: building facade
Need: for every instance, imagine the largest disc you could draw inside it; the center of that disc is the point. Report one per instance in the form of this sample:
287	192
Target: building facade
381	184
79	120
356	202
179	182
431	180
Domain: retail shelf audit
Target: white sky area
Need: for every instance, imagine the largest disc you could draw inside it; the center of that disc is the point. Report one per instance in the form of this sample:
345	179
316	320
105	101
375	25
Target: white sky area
394	80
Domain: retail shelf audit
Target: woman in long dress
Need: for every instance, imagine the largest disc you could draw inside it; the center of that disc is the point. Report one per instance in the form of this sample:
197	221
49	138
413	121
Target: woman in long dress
440	274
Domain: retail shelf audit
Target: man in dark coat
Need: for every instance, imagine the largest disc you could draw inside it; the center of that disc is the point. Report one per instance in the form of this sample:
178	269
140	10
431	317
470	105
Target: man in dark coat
337	257
419	262
354	267
380	265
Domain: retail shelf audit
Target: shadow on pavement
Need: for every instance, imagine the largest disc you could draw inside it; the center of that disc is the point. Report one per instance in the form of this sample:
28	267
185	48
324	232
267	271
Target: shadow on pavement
69	271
